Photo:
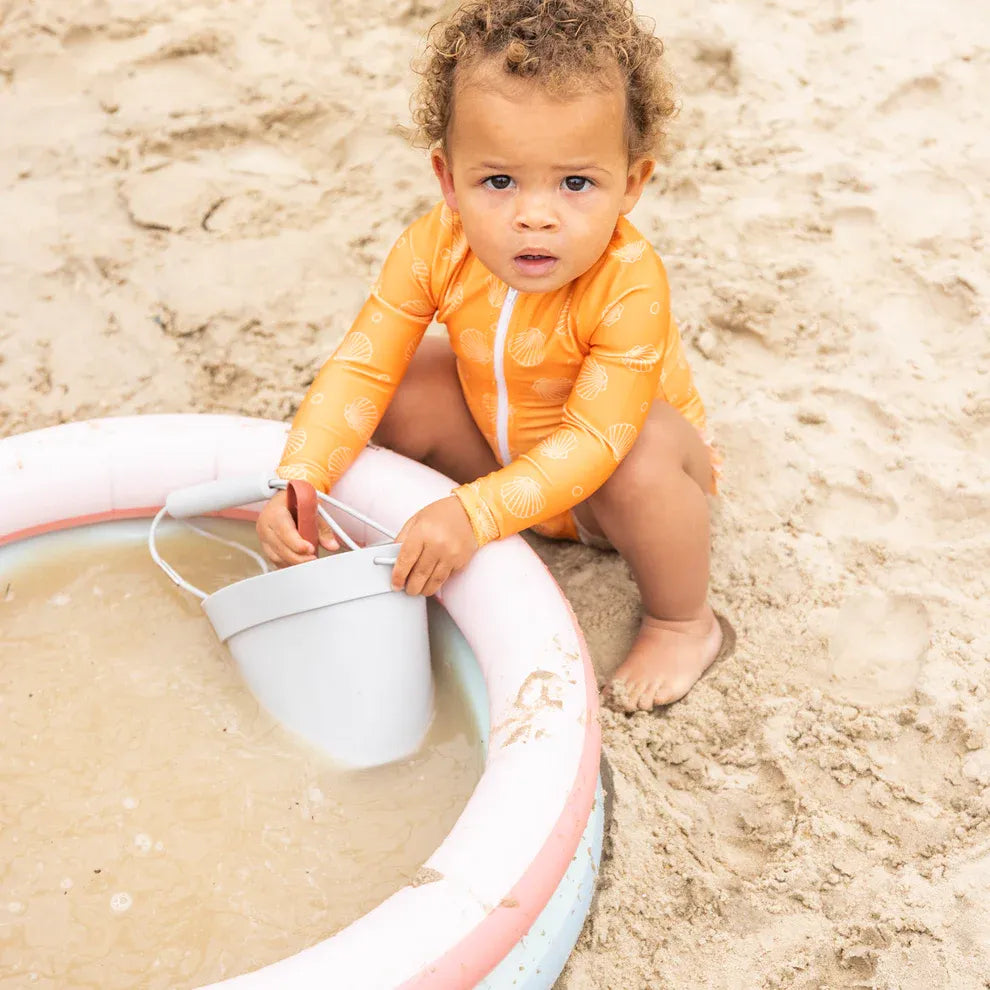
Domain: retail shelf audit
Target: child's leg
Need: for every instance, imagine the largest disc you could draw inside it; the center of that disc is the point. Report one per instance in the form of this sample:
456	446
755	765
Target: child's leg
429	421
654	512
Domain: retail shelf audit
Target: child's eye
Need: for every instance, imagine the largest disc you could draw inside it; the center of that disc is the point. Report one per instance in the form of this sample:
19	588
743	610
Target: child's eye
577	183
498	181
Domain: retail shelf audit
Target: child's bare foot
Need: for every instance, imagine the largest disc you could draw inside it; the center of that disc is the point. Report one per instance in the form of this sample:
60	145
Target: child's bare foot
664	663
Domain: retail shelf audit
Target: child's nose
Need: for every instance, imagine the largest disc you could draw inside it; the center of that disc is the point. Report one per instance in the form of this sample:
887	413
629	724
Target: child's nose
535	213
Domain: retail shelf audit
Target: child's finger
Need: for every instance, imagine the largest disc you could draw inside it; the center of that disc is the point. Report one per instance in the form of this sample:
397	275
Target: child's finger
327	538
282	556
404	532
440	574
408	555
421	572
287	534
286	559
282	543
269	544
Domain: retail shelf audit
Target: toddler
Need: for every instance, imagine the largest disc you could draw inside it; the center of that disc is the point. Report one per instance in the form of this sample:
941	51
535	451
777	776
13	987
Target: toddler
561	400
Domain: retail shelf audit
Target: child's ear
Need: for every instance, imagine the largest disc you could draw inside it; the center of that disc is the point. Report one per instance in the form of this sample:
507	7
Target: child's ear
636	179
444	176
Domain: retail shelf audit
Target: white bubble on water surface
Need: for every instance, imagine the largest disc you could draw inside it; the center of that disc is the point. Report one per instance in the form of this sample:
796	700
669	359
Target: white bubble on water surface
66	883
60	599
130	803
15	907
143	842
121	902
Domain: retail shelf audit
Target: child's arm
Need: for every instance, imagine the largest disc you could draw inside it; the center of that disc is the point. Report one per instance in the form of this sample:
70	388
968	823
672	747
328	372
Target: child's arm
349	396
601	420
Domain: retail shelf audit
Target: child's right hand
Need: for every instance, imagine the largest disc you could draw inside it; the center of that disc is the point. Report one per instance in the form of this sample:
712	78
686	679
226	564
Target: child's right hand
280	539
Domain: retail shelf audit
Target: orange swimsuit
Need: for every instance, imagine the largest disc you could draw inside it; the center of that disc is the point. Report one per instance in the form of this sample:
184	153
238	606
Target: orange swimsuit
560	383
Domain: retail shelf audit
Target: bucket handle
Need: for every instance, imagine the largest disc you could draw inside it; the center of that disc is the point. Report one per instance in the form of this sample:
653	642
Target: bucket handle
281	485
173	574
212	496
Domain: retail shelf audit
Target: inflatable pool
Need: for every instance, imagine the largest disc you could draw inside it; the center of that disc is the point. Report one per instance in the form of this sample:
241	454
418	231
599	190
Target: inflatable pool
501	902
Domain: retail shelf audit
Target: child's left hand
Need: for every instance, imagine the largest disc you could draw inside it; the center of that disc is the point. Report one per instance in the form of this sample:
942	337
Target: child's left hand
436	542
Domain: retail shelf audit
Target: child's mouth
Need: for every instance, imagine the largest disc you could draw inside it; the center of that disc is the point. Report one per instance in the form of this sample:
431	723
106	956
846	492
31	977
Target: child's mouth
535	264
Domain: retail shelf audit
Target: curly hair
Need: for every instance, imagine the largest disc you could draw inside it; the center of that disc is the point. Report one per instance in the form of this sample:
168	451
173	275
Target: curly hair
552	42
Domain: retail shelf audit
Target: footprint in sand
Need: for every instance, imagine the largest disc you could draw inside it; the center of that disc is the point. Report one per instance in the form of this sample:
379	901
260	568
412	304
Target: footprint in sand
843	512
942	206
877	647
918	93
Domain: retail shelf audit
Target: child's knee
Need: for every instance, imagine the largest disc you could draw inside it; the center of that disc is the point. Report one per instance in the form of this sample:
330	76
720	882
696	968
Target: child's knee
678	446
656	463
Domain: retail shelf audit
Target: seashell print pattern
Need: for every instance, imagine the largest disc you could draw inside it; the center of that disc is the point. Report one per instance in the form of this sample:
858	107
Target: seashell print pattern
474	346
642	357
553	389
455	300
630	253
620	437
489	405
421	273
558	446
612	314
523	498
356	346
527	346
338	461
487	523
361	415
485	520
417	307
458	246
293	472
592	380
563	325
295	442
497	291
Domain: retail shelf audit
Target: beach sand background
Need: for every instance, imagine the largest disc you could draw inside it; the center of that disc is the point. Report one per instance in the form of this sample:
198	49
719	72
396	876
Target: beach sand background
194	198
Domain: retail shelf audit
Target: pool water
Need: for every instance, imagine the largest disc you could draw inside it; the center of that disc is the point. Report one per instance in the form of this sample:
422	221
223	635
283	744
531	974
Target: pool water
157	828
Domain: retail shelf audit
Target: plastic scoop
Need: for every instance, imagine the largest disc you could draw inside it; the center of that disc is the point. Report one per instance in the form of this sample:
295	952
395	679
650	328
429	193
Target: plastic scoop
327	646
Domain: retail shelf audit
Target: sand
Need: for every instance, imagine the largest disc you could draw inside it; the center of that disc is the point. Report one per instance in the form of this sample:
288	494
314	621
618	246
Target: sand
195	197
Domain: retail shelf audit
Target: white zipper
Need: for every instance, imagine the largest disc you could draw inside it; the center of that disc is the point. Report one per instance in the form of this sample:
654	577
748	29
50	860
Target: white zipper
502	393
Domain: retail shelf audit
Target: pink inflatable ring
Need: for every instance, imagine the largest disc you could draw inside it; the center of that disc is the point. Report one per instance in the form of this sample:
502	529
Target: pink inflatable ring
502	900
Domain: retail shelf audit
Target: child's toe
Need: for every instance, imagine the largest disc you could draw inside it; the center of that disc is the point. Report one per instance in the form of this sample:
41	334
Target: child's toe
621	696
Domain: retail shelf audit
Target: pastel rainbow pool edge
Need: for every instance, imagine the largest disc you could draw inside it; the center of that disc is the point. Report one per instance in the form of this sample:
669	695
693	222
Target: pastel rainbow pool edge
509	852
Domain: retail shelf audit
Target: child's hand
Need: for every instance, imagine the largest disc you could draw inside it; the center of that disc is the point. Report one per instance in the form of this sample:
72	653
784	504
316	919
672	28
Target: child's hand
437	541
280	539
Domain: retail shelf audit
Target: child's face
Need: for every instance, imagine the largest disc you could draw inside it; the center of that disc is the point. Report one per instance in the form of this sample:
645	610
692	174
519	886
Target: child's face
539	181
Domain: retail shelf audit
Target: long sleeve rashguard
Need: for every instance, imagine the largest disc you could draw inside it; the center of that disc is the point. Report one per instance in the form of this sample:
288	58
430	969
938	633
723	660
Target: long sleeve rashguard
559	383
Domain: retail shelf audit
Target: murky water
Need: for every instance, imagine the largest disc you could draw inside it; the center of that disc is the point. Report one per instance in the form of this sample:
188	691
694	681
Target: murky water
157	829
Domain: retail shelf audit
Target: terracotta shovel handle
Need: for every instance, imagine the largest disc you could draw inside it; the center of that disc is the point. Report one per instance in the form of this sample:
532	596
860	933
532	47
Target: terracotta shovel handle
301	501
